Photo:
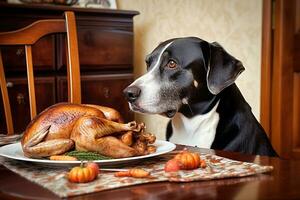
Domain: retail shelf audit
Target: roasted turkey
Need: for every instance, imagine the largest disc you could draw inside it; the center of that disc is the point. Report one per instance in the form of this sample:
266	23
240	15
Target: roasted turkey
63	127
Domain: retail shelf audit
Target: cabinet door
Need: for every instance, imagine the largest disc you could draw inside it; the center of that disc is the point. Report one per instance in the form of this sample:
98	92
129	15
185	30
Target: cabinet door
101	48
14	56
19	102
42	56
104	90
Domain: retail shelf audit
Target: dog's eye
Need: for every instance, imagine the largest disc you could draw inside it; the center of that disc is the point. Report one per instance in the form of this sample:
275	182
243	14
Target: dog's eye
171	64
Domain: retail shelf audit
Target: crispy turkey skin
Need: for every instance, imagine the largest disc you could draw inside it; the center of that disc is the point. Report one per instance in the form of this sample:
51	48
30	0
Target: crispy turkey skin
65	126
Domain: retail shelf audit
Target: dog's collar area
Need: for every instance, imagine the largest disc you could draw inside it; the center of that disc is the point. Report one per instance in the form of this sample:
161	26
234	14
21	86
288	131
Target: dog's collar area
199	108
199	130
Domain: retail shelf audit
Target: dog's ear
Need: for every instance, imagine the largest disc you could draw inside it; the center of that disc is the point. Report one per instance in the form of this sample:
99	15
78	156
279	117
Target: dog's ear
222	69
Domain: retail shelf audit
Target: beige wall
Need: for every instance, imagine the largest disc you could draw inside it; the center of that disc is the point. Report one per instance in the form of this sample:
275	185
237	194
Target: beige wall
235	24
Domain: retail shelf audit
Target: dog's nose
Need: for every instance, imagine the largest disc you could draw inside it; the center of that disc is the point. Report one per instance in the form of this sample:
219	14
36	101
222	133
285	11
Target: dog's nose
132	93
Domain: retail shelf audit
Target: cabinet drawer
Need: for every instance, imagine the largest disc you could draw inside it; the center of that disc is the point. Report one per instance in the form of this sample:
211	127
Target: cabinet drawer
14	56
42	56
104	90
19	102
102	49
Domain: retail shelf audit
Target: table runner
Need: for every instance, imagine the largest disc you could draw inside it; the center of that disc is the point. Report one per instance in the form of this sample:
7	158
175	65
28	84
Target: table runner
54	179
9	139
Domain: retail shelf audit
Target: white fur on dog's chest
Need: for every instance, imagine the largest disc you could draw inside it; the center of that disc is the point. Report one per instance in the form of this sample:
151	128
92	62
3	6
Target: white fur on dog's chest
199	130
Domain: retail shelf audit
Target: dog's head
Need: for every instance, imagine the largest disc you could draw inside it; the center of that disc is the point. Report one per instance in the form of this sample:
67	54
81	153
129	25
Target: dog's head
182	71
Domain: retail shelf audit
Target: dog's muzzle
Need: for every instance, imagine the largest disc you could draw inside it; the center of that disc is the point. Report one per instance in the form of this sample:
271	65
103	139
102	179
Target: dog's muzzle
132	93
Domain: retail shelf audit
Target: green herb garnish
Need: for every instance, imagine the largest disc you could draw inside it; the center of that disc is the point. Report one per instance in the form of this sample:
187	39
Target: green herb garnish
85	155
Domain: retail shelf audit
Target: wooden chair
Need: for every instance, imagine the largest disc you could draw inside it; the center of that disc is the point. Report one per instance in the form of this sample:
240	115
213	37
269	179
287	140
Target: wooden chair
28	36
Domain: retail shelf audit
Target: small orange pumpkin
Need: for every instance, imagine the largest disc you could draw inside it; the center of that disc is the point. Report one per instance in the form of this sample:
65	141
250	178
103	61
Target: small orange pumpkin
188	160
82	174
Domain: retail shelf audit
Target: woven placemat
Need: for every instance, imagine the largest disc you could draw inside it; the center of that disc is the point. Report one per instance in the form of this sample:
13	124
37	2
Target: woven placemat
54	179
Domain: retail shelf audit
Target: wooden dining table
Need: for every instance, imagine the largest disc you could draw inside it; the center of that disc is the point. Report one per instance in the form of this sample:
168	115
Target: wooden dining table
282	183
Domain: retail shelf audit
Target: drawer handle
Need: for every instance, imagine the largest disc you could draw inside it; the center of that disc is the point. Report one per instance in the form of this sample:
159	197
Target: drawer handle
106	92
20	99
9	84
20	52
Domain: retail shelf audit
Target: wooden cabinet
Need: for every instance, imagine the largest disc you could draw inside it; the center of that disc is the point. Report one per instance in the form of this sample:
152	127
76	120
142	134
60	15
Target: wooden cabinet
102	39
106	90
42	55
98	48
105	40
19	102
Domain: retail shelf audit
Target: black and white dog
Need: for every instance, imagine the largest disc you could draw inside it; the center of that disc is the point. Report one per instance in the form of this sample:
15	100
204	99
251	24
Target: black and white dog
191	81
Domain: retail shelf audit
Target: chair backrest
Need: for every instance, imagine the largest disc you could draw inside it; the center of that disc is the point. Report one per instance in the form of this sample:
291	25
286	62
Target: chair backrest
28	36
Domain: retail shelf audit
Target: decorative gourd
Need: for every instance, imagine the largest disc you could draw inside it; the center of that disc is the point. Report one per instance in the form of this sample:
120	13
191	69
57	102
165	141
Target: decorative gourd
83	174
188	160
94	166
172	165
135	172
